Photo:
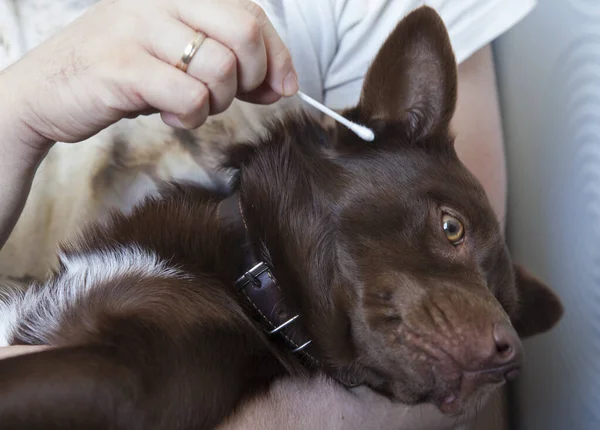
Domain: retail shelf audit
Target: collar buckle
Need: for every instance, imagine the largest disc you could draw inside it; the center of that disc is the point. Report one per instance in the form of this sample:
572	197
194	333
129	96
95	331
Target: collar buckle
251	276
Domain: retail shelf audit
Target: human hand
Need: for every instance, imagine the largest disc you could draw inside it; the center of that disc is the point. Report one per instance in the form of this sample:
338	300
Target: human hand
119	60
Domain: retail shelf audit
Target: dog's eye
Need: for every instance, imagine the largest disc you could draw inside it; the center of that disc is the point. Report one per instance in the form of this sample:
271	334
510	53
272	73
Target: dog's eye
453	228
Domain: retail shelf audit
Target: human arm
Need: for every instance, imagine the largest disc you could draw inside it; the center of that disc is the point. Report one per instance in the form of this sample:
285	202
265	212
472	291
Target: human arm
18	161
477	125
319	403
85	78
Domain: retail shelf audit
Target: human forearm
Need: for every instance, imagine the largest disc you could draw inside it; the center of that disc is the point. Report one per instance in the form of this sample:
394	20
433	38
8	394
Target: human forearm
21	152
295	404
319	403
478	127
16	176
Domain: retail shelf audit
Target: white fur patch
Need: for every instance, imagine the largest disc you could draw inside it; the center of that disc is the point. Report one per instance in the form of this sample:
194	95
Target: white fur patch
9	313
36	313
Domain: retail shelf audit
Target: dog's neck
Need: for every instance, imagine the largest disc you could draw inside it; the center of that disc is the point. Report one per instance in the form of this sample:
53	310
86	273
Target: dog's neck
257	285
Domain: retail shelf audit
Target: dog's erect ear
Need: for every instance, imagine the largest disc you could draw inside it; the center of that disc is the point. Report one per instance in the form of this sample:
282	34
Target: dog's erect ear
413	78
539	309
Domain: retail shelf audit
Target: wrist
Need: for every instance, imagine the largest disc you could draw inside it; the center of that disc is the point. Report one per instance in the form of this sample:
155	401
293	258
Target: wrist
18	139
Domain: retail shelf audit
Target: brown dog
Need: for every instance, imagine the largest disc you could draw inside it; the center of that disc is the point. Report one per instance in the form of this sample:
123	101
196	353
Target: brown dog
376	263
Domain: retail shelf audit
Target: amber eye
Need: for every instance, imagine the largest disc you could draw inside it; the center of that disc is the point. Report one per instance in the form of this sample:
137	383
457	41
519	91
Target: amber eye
453	228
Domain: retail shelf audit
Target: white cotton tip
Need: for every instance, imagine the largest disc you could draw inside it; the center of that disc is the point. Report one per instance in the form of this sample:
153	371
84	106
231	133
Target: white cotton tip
363	132
360	130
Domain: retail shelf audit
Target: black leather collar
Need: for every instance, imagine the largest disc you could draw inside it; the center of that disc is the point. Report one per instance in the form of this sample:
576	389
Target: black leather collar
258	286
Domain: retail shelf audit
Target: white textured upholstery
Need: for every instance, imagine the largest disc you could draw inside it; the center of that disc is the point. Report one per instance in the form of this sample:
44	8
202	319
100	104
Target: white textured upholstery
549	79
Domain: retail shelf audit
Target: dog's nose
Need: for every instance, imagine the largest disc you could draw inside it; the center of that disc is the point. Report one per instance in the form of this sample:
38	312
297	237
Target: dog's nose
505	359
507	343
500	362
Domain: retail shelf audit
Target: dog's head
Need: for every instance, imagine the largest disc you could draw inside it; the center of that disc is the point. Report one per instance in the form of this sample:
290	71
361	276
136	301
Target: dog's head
390	249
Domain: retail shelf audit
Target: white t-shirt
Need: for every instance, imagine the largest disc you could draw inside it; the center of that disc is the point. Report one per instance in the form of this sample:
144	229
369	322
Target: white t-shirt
333	41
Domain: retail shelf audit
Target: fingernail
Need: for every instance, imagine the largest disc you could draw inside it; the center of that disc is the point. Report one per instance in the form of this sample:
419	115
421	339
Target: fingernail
172	120
290	84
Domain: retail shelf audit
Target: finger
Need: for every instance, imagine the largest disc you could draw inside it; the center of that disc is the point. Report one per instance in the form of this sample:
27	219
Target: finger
216	66
281	74
263	95
213	64
235	28
167	89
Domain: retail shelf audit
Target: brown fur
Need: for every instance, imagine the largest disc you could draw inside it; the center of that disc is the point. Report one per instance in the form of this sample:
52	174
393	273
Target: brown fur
353	233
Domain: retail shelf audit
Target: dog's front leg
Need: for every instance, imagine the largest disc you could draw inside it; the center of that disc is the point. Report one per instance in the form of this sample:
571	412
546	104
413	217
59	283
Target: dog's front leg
77	387
125	386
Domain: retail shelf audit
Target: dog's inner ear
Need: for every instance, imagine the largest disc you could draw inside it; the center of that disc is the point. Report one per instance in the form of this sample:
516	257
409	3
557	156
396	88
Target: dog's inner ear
539	310
413	77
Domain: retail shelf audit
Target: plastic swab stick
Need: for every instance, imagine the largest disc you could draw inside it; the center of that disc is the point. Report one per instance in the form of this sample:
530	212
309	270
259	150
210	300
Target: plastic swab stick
360	130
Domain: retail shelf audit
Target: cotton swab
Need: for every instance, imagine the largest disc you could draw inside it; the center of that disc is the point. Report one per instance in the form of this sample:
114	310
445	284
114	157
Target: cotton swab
360	130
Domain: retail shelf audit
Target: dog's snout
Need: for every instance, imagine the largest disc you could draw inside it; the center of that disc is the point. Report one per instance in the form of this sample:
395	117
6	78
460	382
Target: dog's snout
469	343
495	352
493	356
504	361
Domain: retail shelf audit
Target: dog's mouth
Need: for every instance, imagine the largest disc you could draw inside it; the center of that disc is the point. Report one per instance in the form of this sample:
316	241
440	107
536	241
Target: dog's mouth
440	379
460	397
465	395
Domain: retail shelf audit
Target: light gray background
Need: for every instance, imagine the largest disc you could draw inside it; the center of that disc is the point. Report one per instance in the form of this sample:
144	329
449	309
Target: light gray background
549	80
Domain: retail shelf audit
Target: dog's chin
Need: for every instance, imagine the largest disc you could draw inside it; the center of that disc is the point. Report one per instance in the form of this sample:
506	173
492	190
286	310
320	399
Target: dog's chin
445	398
457	407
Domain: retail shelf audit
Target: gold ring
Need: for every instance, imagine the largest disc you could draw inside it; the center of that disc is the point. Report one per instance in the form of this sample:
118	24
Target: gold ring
190	51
